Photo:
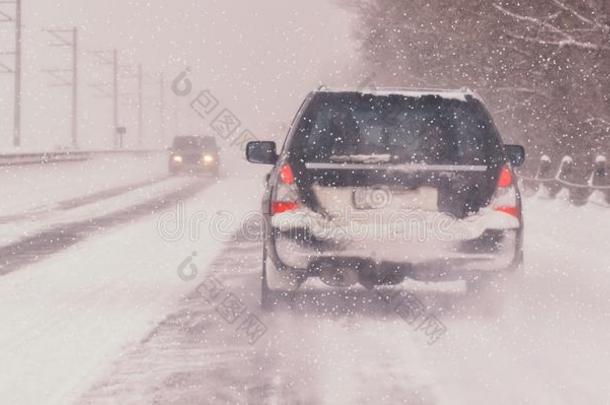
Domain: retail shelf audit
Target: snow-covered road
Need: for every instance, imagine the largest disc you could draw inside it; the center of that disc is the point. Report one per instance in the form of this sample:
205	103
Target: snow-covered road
39	188
108	320
547	345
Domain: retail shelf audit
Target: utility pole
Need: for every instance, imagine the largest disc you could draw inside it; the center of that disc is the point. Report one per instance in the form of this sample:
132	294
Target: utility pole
18	74
58	74
140	104
75	88
162	119
115	98
16	71
142	83
111	90
138	74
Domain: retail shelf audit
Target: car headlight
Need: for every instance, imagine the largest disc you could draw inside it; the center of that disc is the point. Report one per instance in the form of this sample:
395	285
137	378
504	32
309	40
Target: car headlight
208	158
177	159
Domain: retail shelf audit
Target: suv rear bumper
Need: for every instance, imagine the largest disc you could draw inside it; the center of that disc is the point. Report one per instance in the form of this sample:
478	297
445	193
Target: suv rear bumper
447	254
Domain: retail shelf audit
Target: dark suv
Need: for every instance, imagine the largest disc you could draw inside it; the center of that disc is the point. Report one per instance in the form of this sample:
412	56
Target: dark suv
194	154
376	187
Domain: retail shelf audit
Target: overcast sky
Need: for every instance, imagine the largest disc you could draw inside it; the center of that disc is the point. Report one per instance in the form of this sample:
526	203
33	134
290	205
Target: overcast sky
258	58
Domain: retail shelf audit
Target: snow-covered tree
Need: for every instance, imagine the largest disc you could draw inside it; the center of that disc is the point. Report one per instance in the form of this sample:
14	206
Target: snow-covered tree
543	66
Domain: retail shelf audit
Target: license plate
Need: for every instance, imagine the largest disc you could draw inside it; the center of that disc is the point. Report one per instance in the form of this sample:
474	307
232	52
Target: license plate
367	198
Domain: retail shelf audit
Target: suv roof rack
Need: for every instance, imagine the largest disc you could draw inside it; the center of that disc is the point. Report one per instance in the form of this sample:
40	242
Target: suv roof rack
460	93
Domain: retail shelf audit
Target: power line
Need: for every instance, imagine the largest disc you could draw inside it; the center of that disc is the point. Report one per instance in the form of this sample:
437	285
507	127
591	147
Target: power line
59	35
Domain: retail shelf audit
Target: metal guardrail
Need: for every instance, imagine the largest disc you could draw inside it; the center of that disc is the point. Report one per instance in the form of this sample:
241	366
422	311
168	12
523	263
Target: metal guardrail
595	190
21	159
18	159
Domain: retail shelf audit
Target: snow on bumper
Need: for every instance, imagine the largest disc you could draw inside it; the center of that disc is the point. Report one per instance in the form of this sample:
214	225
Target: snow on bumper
486	241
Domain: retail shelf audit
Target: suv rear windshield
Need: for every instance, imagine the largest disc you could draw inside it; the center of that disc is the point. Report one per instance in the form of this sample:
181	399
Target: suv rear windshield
339	127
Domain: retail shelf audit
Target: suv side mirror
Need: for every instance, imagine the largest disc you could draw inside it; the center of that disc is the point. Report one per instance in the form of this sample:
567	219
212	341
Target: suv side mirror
515	154
261	152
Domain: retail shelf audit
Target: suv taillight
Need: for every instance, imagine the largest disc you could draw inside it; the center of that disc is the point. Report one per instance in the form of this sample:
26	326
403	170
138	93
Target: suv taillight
505	198
286	193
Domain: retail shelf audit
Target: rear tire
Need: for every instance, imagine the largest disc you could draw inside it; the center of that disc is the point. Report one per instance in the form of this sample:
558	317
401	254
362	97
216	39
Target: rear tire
488	292
498	281
485	296
276	289
272	299
269	298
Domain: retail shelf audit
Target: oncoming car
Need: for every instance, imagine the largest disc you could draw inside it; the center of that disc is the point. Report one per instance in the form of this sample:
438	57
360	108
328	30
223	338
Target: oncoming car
375	187
194	154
